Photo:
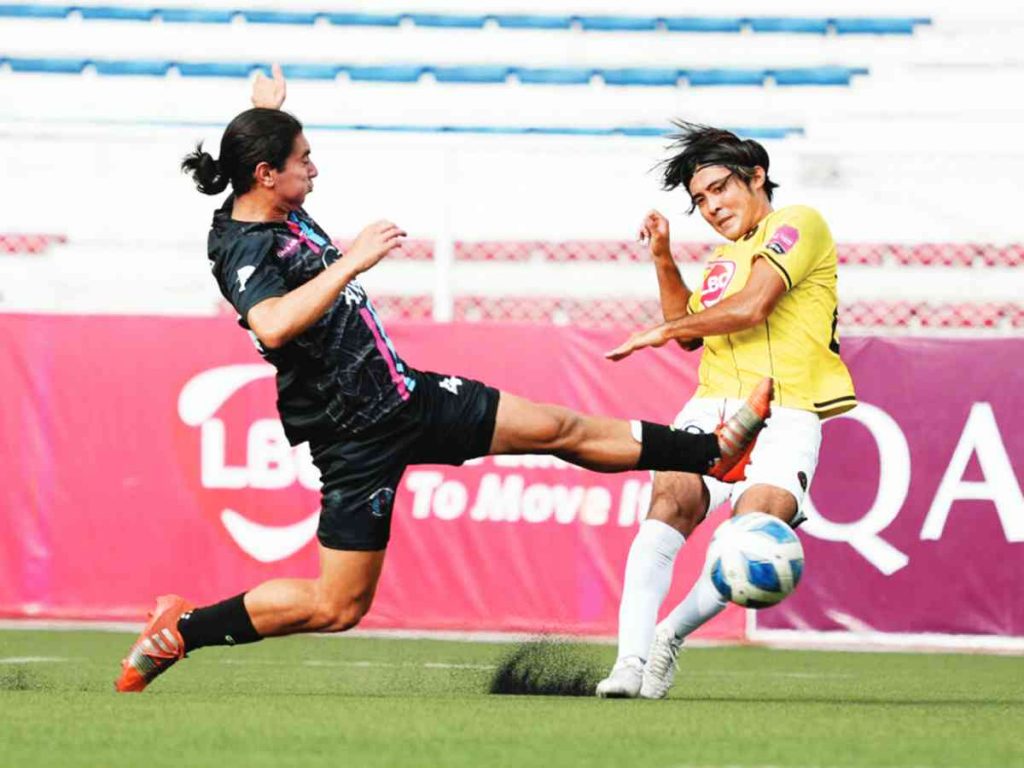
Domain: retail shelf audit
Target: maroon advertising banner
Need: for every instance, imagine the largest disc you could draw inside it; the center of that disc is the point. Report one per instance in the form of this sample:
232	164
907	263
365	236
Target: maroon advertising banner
142	455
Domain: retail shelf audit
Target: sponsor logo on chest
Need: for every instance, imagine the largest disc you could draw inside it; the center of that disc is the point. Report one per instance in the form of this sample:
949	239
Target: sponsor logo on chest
717	277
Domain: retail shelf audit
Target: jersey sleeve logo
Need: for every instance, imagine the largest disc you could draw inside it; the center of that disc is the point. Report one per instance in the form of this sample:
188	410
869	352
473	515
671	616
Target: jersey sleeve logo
717	277
244	273
783	240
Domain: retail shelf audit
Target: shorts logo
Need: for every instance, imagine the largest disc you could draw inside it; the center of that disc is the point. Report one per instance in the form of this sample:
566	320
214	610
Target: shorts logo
802	477
381	501
717	277
452	384
783	240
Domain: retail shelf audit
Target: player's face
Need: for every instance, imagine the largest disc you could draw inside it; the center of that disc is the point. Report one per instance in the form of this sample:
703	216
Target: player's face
296	180
725	201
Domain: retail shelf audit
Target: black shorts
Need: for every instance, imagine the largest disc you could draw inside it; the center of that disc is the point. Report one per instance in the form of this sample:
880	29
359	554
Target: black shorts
448	420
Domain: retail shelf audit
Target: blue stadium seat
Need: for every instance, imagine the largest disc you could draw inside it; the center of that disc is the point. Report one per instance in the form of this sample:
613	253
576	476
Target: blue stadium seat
640	76
214	68
702	24
725	76
877	26
449	21
553	75
59	66
389	74
618	23
33	11
279	17
364	19
520	21
816	75
471	74
134	67
310	71
115	13
791	25
195	15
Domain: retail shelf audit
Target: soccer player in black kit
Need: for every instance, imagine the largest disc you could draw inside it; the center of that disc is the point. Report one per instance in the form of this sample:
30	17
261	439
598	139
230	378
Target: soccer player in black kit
367	415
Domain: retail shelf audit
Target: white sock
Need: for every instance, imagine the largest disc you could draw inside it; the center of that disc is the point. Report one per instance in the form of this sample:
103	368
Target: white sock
648	577
700	606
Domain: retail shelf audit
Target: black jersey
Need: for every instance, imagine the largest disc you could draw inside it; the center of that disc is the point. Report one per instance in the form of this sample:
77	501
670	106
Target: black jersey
342	374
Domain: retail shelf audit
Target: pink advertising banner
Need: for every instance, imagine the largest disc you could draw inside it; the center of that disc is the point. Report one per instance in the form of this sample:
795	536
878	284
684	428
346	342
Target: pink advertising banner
143	455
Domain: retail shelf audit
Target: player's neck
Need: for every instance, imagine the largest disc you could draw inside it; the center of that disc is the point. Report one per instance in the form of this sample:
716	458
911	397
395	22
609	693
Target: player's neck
258	206
764	210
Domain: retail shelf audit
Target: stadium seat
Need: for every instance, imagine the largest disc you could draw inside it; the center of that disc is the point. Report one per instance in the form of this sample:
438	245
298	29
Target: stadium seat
451	21
195	15
887	26
640	76
703	24
483	74
137	67
521	21
789	24
618	23
279	17
34	11
391	74
115	12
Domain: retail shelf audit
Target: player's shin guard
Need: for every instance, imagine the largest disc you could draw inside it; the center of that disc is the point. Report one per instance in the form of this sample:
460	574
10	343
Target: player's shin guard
224	623
664	449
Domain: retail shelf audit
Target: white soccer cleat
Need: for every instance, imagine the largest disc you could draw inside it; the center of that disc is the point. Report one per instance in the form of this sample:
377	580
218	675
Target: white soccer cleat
624	681
662	663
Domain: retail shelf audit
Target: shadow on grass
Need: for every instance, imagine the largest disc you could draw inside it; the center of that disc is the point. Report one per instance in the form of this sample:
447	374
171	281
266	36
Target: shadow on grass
548	667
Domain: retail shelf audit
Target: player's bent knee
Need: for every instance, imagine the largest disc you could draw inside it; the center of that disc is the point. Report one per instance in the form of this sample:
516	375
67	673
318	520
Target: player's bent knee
340	617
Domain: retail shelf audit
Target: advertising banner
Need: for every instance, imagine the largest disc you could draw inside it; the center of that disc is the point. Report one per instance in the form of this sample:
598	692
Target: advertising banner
143	455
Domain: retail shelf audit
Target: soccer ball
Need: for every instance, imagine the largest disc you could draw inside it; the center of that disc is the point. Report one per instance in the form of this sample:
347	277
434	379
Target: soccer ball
755	560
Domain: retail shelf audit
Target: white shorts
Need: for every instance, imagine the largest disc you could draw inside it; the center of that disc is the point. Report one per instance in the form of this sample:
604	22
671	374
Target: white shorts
785	455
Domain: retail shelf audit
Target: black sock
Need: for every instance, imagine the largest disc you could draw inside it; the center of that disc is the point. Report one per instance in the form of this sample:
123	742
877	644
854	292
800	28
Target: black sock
224	623
665	449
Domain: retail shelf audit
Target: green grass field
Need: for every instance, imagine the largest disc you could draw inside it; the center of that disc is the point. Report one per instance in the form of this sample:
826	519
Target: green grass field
328	701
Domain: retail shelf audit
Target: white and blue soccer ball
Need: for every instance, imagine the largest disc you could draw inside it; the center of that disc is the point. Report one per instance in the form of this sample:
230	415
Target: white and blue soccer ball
755	560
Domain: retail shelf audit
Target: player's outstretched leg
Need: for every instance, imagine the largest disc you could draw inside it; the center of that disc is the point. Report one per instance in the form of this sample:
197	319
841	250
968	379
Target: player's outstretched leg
614	445
334	602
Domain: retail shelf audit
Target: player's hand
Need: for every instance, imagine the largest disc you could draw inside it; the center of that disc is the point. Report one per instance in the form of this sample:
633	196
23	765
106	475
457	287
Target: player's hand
269	92
374	243
654	234
654	337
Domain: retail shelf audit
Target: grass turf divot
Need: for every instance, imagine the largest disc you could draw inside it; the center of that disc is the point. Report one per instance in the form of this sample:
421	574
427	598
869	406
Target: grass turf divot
548	667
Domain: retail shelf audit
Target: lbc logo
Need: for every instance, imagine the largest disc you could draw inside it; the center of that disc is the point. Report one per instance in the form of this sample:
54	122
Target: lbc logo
717	277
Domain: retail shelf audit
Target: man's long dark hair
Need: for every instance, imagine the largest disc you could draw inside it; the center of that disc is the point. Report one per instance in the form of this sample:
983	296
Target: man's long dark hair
696	146
253	137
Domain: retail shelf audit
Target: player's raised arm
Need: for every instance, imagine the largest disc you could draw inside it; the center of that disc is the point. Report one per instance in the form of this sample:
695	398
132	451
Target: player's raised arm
269	92
672	289
743	310
278	320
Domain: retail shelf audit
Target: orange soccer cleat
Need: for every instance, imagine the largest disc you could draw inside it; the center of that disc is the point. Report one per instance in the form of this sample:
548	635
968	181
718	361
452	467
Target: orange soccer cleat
737	435
158	646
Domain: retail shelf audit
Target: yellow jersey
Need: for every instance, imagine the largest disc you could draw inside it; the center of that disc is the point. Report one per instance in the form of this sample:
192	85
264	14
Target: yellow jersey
797	344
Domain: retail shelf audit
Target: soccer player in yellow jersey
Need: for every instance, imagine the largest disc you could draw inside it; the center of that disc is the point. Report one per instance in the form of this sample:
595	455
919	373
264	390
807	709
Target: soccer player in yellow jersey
766	306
